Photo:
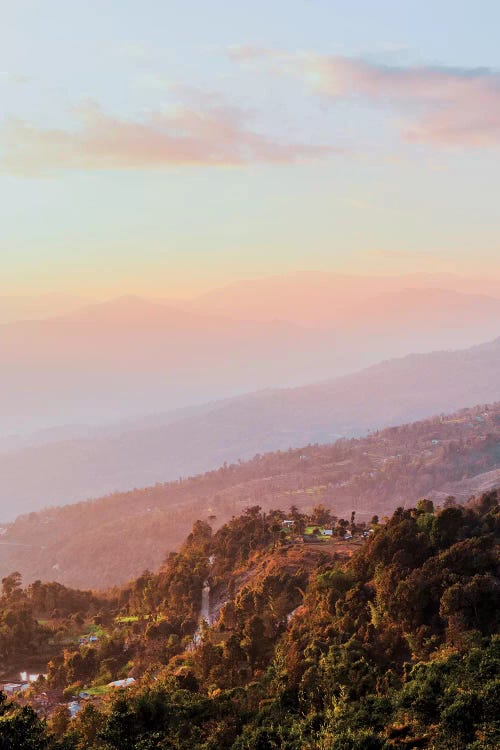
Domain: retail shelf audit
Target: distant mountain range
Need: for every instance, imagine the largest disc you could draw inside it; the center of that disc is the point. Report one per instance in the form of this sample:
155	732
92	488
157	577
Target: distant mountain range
306	297
58	468
319	298
114	360
130	357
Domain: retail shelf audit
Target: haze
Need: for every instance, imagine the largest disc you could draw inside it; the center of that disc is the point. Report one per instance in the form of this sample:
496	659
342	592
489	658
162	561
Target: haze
198	205
249	374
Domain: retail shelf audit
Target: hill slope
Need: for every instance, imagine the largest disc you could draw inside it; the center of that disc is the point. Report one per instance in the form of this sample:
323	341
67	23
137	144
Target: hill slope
106	541
139	454
401	638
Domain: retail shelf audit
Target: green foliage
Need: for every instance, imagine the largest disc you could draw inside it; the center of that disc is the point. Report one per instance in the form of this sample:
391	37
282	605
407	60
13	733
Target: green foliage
397	647
20	728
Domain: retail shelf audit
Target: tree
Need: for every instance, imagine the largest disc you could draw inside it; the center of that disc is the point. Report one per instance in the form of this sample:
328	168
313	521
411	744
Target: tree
425	506
87	726
321	516
342	526
473	605
447	526
12	586
20	727
254	640
59	721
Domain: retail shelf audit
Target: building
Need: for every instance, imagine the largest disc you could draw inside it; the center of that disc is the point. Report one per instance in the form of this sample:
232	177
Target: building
14	687
73	708
122	683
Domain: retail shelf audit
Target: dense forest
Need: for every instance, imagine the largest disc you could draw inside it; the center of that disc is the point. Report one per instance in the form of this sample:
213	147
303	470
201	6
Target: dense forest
304	647
105	542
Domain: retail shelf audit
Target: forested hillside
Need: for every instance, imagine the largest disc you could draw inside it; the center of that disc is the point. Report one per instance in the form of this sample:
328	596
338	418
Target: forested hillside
394	648
110	540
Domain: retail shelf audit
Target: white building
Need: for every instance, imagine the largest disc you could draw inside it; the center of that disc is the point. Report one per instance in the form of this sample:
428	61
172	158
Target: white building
15	687
122	683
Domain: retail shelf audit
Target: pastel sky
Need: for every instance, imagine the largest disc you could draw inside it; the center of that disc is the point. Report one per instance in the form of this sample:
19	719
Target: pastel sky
166	146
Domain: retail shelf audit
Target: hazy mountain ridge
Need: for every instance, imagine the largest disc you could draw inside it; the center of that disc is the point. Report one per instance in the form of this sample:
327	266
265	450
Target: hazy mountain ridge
126	361
186	442
112	360
314	297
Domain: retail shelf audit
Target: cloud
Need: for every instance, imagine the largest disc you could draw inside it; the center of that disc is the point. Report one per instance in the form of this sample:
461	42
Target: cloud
250	52
441	105
203	132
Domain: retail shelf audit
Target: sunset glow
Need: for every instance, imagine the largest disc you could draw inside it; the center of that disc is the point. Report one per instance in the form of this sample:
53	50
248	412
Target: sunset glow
249	374
174	147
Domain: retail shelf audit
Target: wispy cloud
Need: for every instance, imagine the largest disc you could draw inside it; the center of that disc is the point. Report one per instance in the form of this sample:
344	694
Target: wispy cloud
440	105
205	132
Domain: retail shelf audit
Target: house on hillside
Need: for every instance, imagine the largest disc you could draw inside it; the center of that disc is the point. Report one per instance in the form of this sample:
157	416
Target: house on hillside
74	707
127	682
10	688
326	532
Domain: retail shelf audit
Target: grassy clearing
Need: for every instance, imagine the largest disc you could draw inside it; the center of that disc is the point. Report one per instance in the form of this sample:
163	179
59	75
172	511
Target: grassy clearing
98	690
310	529
96	630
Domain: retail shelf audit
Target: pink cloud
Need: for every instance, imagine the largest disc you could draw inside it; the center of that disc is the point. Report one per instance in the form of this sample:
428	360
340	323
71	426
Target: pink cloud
209	134
449	105
441	105
245	52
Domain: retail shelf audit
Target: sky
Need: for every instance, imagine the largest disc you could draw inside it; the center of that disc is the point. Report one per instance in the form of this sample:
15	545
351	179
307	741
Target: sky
167	147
